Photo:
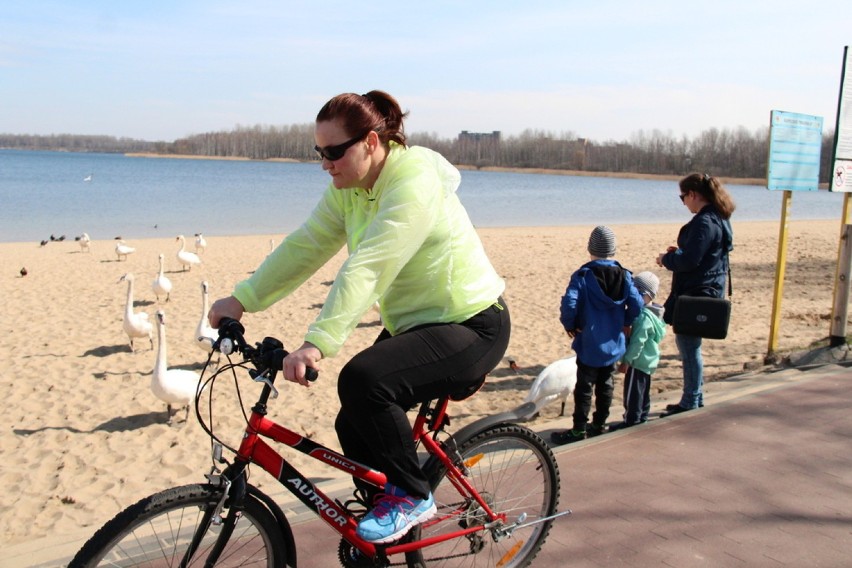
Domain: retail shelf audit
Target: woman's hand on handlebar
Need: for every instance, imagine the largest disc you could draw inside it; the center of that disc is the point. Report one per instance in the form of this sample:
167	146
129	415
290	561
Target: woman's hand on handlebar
297	361
228	307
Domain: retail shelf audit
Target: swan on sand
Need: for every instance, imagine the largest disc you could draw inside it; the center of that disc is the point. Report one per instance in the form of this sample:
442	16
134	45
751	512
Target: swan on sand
185	258
161	285
175	387
123	249
205	336
556	382
135	324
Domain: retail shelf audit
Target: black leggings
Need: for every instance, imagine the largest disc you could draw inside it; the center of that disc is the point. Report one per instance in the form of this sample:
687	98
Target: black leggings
396	373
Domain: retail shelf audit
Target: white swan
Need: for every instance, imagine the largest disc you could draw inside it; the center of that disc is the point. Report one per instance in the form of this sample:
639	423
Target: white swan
84	241
555	382
205	335
161	284
172	386
200	243
123	249
135	324
186	258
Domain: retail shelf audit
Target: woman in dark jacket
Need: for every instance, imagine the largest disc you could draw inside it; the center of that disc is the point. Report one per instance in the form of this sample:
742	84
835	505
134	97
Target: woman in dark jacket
699	265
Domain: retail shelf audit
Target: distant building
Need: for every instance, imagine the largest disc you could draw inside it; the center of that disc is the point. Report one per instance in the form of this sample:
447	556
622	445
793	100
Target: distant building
479	148
479	137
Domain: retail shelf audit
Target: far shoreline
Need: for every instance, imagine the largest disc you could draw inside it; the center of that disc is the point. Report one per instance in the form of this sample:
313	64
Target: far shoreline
545	171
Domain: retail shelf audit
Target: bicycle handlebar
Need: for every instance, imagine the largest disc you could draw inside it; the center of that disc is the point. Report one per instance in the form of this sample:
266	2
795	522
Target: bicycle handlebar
270	353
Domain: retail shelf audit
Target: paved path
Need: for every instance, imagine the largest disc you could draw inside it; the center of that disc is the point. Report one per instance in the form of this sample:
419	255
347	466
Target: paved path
762	476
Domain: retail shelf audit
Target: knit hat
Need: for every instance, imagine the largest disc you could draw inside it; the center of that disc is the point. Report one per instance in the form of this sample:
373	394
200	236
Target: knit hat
647	283
602	242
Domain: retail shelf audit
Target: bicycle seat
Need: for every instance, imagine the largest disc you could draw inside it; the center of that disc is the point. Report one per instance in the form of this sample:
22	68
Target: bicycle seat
468	391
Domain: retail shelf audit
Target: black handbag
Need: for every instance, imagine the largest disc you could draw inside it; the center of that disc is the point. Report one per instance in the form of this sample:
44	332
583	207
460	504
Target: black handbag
703	316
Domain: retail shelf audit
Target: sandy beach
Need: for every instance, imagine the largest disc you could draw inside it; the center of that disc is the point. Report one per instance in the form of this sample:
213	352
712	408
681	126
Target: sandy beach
83	436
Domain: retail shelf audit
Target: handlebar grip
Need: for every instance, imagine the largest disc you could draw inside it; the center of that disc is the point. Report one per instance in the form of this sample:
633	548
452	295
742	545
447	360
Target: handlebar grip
311	374
277	362
229	327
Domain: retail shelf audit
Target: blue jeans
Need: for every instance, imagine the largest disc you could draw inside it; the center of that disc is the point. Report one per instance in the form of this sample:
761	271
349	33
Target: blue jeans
689	348
637	396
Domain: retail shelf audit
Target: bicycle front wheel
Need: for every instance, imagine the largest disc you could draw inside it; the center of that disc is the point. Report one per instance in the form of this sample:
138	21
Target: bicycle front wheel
515	472
157	531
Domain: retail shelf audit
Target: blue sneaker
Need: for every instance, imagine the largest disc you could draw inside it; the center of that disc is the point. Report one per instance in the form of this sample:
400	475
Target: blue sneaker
395	514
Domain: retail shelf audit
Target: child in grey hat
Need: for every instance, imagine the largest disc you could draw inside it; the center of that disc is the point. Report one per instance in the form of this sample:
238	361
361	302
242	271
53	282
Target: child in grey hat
599	303
643	353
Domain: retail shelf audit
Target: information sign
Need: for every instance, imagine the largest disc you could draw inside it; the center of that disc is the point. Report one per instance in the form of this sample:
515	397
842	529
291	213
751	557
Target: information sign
795	143
841	172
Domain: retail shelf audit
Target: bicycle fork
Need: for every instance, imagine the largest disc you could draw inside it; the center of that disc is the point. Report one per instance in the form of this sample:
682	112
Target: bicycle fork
235	489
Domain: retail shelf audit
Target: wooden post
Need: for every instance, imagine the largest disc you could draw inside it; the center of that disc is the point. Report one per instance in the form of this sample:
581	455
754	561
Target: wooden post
780	270
843	275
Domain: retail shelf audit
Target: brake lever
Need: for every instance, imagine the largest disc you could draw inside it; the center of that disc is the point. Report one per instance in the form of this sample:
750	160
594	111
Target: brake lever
259	377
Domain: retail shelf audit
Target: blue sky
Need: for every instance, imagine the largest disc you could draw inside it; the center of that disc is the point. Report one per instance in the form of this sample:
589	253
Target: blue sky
602	69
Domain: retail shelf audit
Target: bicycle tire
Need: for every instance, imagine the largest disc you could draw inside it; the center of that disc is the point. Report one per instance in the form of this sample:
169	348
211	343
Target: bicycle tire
515	471
157	530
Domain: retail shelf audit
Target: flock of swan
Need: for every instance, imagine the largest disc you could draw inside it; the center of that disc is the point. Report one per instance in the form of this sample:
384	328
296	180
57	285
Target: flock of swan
175	387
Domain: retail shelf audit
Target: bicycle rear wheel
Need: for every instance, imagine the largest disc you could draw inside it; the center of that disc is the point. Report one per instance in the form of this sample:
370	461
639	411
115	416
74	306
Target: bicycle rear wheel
516	473
157	531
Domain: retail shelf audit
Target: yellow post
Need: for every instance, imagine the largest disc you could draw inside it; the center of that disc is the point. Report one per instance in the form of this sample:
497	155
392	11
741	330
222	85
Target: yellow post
780	269
840	295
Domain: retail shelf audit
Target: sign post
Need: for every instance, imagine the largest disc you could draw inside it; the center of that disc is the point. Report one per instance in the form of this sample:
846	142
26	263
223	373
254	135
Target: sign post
841	180
795	144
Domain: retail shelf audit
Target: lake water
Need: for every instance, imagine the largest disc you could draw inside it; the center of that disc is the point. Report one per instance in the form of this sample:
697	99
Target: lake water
44	193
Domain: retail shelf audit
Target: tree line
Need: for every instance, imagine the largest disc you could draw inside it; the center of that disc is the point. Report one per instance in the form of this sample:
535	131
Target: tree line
79	143
723	152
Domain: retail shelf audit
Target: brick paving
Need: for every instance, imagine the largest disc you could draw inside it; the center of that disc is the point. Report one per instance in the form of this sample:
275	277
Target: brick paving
760	479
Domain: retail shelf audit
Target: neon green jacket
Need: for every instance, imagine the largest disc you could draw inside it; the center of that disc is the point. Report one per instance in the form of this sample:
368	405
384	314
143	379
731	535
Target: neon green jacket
411	247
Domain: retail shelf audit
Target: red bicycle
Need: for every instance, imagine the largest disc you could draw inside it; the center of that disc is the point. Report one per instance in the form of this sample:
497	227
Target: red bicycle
495	483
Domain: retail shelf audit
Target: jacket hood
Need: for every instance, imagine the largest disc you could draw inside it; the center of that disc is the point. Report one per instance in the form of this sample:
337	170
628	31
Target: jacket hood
611	273
727	235
656	309
659	324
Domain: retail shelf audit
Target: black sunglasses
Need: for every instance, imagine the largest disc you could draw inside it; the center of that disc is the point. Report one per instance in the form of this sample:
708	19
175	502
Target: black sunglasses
333	153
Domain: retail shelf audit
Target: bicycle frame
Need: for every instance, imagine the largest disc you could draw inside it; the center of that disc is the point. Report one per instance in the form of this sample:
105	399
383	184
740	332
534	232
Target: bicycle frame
429	422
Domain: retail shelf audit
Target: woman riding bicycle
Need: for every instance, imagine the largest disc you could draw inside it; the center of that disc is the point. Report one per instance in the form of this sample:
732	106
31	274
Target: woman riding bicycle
412	249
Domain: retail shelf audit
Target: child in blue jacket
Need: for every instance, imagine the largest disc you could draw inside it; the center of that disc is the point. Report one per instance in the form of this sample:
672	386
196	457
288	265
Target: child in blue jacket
600	302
